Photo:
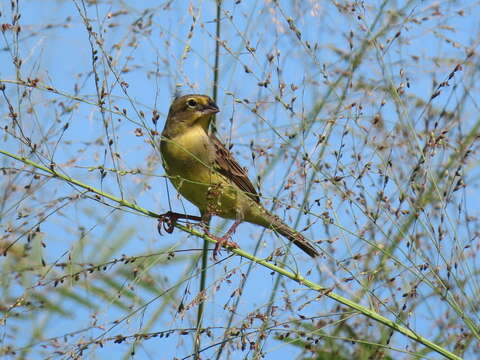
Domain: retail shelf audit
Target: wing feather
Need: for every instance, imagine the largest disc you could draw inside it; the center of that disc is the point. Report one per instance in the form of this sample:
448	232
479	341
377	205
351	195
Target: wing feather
227	166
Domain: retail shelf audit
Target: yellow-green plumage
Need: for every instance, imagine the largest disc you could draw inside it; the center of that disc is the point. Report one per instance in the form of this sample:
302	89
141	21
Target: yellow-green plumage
205	172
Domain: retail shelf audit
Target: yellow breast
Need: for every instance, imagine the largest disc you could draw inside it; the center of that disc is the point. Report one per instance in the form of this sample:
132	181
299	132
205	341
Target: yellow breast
188	160
186	151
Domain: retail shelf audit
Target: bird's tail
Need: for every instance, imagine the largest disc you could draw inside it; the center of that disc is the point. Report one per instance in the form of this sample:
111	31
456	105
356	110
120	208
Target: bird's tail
298	239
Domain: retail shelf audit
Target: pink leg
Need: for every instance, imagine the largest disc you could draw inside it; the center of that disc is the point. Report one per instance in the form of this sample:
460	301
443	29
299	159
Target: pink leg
224	240
168	220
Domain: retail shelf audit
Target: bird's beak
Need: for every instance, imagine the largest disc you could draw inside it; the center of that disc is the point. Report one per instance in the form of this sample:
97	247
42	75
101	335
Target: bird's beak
210	108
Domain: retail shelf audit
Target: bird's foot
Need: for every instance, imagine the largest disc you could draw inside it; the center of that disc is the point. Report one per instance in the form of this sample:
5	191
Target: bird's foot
168	220
223	241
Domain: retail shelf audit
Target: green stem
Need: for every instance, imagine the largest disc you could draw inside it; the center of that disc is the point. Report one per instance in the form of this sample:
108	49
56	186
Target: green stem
203	280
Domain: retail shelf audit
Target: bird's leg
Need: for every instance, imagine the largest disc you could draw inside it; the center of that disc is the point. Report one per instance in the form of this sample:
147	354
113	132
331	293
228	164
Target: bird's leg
224	240
205	222
221	241
168	220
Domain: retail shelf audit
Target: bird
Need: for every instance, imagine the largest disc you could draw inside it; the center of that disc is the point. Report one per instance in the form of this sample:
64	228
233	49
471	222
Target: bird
205	172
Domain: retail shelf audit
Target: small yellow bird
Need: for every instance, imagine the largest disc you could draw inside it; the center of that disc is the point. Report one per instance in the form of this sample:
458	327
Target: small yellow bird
205	173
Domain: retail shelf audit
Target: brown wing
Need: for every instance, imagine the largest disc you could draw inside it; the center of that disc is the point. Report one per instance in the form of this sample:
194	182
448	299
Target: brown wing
226	165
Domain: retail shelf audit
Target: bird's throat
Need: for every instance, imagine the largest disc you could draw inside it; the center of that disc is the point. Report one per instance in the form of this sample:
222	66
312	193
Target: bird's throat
186	150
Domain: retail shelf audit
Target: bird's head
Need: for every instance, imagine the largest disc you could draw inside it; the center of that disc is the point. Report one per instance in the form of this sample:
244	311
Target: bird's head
192	109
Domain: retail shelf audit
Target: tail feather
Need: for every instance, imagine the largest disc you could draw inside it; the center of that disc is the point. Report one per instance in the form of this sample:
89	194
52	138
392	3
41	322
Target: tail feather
297	238
273	222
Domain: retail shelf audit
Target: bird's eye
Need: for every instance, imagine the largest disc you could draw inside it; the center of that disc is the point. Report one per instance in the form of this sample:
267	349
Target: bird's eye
192	103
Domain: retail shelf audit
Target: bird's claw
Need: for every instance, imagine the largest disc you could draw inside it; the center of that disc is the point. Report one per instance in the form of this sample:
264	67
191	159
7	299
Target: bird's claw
222	242
167	221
